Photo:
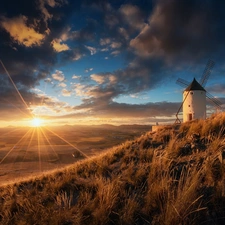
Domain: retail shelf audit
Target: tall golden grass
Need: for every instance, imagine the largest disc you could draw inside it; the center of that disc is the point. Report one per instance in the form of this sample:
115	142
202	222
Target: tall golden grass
169	177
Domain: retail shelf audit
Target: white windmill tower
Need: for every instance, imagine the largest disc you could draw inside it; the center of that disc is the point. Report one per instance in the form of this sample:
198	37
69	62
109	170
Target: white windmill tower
194	106
194	97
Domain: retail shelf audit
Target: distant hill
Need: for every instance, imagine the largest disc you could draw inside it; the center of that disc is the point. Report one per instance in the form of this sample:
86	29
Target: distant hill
169	177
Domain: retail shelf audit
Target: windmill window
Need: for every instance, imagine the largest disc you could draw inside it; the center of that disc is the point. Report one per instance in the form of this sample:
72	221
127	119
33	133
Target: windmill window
189	106
192	93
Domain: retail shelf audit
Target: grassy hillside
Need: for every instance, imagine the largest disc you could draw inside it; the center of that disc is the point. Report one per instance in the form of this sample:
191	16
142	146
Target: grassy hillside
169	177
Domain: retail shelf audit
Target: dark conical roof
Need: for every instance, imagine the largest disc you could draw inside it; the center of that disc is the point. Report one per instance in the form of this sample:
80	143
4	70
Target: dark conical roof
195	86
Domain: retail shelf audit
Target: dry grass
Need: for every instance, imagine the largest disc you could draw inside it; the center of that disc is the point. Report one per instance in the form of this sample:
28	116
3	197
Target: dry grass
173	176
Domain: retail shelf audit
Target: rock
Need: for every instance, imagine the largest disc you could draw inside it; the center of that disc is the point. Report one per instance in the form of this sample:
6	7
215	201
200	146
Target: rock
77	154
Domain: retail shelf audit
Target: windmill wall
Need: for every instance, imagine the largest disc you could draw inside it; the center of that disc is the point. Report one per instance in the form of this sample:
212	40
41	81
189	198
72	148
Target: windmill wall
194	106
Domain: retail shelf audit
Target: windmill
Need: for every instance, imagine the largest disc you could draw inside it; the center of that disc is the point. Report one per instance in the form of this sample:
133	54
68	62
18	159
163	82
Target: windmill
194	96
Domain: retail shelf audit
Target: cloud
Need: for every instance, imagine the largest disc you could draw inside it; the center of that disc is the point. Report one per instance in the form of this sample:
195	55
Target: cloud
66	93
115	45
111	19
114	110
182	30
44	5
74	54
65	34
217	88
62	85
107	78
112	79
88	70
51	106
20	32
98	78
58	46
87	33
104	50
77	56
25	30
76	76
123	32
44	10
123	22
91	49
12	107
105	41
115	53
132	15
80	89
58	75
48	80
139	76
100	95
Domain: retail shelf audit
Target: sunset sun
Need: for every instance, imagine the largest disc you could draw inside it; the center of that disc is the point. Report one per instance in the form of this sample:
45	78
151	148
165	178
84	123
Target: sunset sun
36	122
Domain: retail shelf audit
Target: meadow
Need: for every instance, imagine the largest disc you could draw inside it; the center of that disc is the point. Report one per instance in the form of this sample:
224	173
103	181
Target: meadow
167	177
25	152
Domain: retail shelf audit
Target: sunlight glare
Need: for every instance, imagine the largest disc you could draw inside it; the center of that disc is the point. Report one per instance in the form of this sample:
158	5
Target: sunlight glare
36	122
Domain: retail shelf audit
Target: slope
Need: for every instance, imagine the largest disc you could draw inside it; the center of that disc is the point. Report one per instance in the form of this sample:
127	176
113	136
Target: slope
172	176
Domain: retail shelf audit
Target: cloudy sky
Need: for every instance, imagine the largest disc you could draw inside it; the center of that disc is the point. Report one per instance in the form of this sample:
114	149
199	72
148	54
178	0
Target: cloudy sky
106	61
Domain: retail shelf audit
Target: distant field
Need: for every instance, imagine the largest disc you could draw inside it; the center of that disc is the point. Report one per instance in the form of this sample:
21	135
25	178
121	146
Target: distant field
28	151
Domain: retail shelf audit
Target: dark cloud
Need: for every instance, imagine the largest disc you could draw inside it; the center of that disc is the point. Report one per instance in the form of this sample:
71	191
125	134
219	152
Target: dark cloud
42	21
136	78
74	54
28	54
11	8
25	48
139	76
183	30
217	88
86	33
12	106
175	28
145	110
122	110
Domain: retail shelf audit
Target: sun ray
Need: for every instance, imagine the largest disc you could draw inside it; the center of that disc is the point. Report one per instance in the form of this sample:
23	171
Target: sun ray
43	149
10	132
22	150
14	85
13	147
19	151
47	139
26	114
29	144
68	143
39	149
76	148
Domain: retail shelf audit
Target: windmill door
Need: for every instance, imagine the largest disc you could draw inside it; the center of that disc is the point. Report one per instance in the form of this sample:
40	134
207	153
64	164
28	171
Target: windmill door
190	117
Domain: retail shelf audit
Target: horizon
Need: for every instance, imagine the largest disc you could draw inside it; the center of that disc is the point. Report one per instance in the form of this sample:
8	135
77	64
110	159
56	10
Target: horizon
77	125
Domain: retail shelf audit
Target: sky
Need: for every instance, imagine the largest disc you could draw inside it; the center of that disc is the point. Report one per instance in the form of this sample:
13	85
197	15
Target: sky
106	61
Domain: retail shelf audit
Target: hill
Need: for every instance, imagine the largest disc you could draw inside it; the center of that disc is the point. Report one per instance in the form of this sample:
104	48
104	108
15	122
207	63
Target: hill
172	176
